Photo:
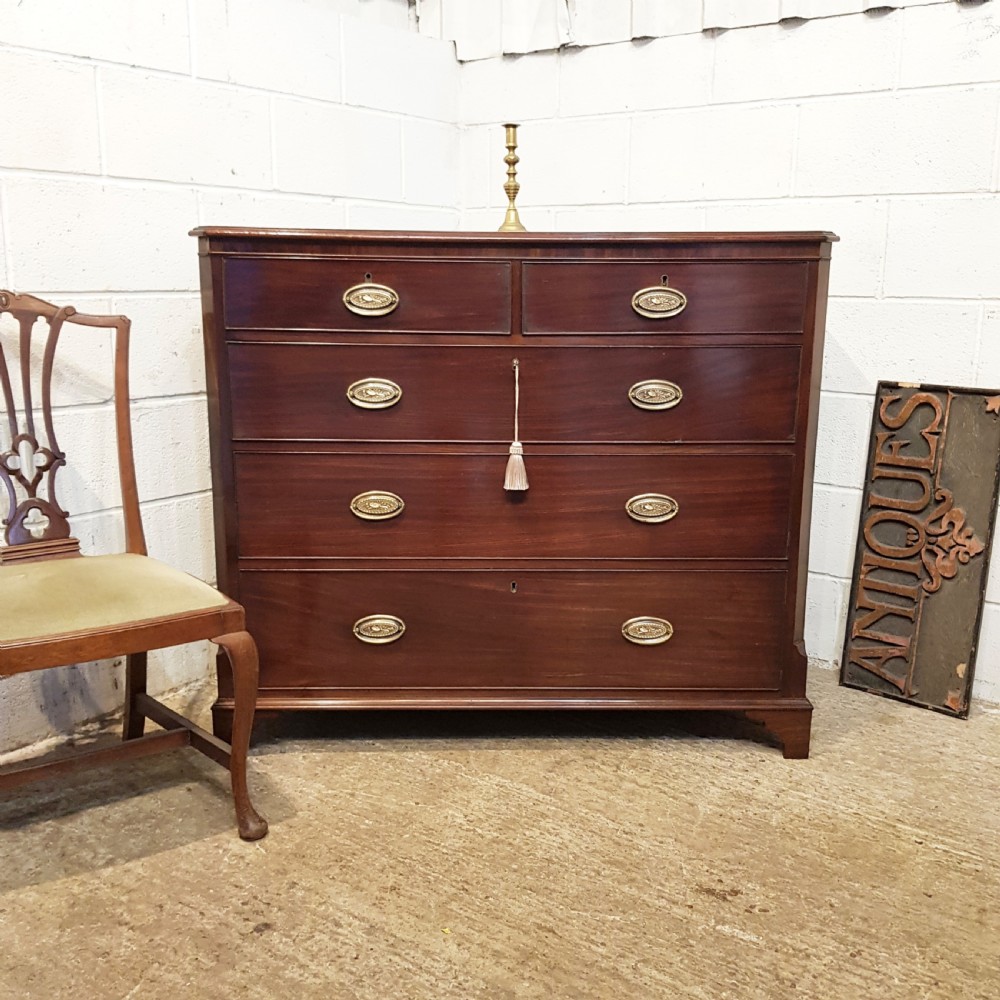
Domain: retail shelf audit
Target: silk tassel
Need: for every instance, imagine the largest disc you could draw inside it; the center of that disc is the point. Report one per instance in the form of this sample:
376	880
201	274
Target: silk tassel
516	477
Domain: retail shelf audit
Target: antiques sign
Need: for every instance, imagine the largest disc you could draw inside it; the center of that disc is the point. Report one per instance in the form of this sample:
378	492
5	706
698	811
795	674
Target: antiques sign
927	514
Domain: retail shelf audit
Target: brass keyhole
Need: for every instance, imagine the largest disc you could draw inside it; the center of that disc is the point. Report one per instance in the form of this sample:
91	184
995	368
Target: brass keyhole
368	277
513	586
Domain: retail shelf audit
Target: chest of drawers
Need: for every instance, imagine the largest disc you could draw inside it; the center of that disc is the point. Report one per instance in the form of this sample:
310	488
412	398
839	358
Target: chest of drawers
361	400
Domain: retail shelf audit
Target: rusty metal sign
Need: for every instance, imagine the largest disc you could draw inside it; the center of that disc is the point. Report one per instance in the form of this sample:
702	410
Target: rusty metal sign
927	515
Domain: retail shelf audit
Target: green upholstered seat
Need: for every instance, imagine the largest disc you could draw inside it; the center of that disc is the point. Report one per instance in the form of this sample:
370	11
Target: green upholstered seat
59	596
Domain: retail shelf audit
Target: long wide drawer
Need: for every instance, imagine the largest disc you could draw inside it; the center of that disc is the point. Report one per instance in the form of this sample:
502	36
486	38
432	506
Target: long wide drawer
718	297
276	293
454	505
528	629
300	391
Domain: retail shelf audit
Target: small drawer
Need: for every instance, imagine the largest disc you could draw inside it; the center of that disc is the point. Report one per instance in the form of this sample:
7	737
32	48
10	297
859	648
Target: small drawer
301	391
578	506
532	629
715	297
432	296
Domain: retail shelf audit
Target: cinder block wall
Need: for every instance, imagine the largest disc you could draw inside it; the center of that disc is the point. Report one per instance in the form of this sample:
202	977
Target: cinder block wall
882	128
127	123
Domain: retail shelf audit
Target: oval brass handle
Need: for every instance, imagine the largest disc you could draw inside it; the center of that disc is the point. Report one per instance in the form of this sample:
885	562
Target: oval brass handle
379	629
374	393
652	508
655	394
371	299
377	505
647	631
659	302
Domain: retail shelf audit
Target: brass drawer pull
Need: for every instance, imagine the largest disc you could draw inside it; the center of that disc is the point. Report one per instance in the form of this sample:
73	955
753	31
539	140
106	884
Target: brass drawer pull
377	505
655	394
379	629
370	299
374	393
646	631
652	508
659	301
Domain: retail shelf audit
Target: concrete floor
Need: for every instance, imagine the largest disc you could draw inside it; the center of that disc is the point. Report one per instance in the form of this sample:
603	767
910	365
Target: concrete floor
523	856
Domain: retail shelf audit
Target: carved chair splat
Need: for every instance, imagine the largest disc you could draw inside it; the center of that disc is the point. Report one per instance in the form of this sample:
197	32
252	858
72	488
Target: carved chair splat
63	607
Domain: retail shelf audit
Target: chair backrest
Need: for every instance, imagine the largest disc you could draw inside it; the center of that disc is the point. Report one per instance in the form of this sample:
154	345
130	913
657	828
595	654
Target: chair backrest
36	526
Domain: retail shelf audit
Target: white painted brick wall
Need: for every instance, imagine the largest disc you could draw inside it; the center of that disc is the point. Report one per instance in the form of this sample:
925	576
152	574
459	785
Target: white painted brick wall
665	217
235	41
725	152
167	358
515	88
569	143
403	217
97	234
923	141
943	247
430	151
899	340
987	682
333	150
202	134
265	208
125	125
774	61
662	73
56	104
826	604
844	423
398	72
596	22
836	510
155	35
940	49
988	363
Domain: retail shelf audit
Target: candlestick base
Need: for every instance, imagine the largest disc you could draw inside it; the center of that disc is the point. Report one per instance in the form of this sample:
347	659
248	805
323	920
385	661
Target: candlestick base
511	222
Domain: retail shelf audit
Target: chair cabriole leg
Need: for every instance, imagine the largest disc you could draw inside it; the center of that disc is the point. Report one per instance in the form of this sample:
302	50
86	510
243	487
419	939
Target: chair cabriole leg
242	653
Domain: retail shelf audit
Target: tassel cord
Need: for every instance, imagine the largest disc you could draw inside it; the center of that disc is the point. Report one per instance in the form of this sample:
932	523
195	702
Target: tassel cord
517	395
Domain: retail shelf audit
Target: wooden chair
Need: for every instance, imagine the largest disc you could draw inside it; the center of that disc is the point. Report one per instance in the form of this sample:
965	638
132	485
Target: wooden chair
59	607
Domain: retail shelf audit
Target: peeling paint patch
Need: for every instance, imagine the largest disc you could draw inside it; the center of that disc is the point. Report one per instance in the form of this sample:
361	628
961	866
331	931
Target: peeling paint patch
955	701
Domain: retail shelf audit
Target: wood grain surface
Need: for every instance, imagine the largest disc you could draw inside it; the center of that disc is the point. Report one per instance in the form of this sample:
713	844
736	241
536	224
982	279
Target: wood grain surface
528	629
596	297
299	391
452	296
298	504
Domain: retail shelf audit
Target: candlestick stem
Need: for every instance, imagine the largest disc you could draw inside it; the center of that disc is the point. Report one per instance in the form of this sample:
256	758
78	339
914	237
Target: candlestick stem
511	222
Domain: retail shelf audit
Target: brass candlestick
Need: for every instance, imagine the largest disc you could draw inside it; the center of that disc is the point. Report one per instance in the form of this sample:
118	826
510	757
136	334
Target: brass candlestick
511	222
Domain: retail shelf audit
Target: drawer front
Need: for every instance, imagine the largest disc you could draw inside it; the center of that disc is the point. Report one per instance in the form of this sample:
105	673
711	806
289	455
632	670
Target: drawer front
526	629
721	297
274	293
728	507
300	391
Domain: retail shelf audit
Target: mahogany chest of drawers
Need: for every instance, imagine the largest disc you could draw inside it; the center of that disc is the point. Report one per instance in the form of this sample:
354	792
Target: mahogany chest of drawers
361	397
